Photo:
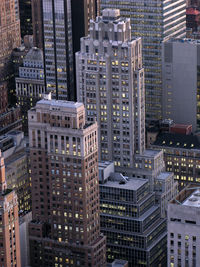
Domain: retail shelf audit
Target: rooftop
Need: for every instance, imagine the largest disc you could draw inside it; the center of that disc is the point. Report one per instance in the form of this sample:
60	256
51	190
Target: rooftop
184	40
183	196
164	175
193	200
35	54
118	263
132	184
150	153
60	103
177	141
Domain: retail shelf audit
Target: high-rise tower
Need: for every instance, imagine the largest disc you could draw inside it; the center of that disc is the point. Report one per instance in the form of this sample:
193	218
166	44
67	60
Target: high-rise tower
58	48
9	39
9	223
63	150
25	17
110	83
154	21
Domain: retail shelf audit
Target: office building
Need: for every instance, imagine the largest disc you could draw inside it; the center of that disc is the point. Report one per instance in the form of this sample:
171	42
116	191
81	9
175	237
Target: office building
181	156
58	49
24	238
110	83
183	228
9	227
30	85
181	81
131	221
10	120
37	23
84	10
9	39
15	152
154	22
65	229
25	13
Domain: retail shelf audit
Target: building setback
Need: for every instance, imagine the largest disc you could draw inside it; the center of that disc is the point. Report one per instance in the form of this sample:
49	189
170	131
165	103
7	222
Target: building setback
9	223
63	155
154	21
110	83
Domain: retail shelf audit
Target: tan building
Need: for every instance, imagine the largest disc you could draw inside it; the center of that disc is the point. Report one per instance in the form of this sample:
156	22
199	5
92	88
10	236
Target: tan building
64	163
9	223
10	37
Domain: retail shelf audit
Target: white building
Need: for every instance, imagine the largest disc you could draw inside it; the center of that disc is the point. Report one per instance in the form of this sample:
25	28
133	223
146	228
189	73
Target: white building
184	229
153	21
181	81
30	86
110	83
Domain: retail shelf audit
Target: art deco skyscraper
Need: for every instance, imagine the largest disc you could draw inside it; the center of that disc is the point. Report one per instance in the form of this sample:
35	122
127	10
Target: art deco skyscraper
63	149
110	83
9	223
154	21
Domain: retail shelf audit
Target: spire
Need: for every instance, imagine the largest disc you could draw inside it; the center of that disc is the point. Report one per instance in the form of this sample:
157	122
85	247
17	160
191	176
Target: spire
3	185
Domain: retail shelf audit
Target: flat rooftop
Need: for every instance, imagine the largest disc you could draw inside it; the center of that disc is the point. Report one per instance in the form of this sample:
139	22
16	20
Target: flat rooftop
193	200
176	140
133	184
60	103
184	41
164	175
150	153
104	164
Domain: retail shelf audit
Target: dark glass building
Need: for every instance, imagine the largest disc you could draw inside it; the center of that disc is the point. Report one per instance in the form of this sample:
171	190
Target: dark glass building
25	13
131	221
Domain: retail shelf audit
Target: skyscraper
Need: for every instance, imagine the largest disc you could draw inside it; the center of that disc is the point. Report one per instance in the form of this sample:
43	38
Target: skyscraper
25	12
37	23
58	48
181	81
9	39
154	21
63	150
110	83
131	221
9	223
